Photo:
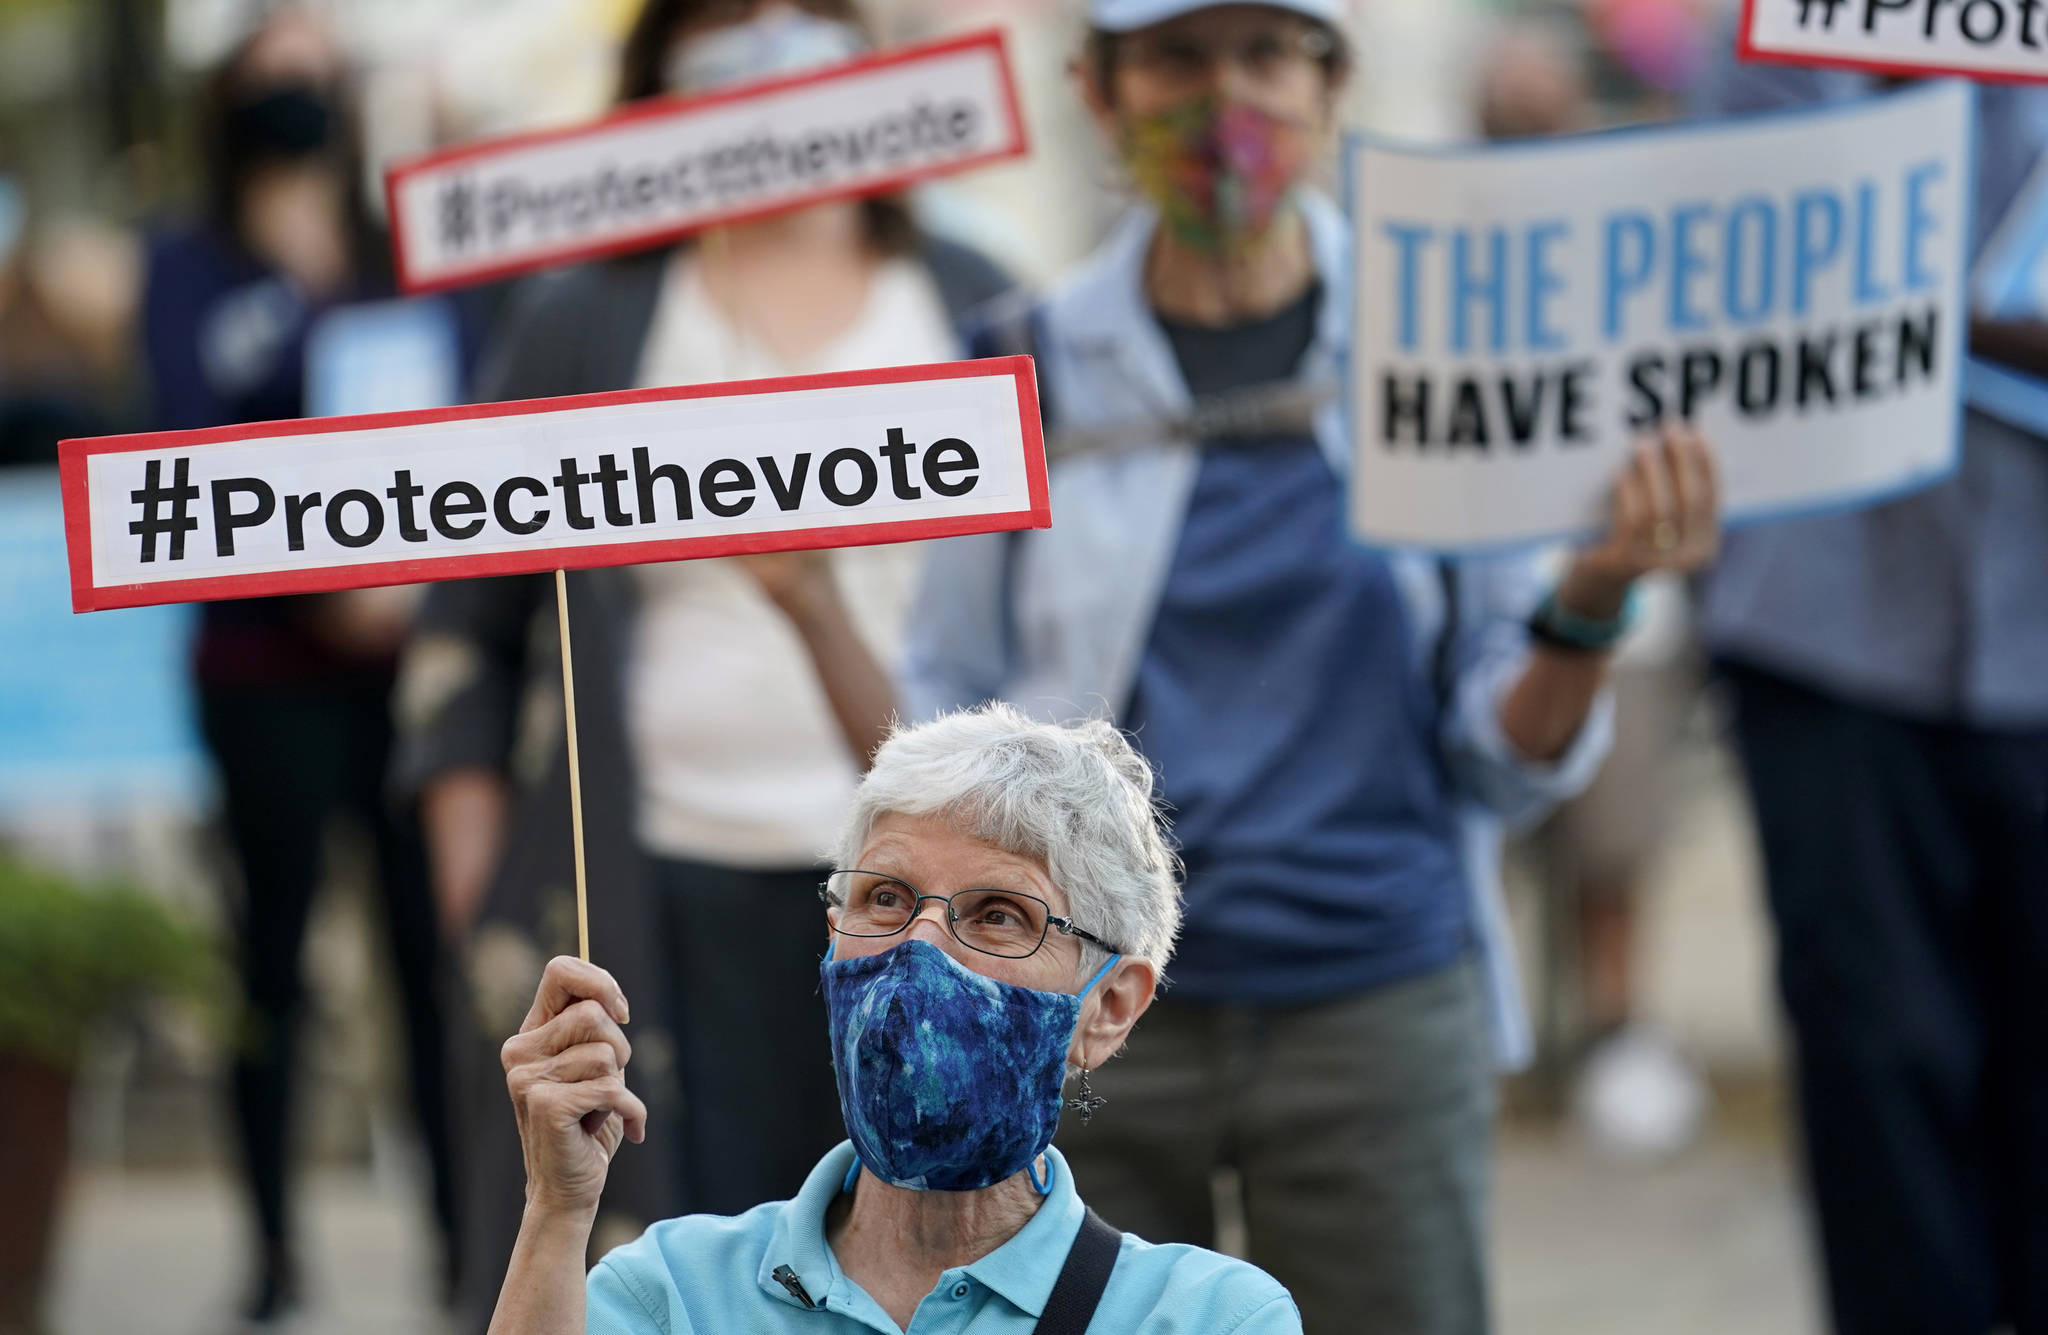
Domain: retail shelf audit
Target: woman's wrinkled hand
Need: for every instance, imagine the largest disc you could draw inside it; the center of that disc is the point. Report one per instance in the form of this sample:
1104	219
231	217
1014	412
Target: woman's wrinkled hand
566	1071
1666	516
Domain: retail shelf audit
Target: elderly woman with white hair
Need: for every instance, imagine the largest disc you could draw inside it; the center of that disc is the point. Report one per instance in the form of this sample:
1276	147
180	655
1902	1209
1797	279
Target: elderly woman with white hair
1005	903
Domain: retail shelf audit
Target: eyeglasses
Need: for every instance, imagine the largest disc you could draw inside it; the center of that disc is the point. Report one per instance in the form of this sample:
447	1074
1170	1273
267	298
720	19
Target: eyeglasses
1006	923
1263	55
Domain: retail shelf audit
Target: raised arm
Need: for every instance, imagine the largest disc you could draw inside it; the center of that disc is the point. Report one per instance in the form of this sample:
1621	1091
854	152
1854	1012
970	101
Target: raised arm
857	686
1666	517
2019	344
565	1069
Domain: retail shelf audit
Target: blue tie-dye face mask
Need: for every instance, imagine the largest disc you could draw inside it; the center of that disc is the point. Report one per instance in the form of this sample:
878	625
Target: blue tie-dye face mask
948	1079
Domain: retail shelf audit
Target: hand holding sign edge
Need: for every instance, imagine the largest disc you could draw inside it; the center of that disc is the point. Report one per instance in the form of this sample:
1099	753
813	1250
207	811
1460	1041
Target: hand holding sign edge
1665	515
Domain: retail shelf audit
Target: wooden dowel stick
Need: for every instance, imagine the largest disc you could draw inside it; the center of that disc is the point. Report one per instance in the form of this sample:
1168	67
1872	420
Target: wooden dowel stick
575	771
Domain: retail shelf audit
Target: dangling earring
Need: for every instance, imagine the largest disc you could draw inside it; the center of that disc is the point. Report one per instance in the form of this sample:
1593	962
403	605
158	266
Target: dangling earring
1087	1101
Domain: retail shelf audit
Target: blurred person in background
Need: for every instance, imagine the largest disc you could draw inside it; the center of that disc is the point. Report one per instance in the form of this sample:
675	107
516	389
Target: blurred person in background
1634	1094
67	304
716	763
1339	732
1533	81
294	692
1891	710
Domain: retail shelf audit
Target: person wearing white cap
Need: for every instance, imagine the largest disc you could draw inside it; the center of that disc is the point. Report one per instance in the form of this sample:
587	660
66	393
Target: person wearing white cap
1340	733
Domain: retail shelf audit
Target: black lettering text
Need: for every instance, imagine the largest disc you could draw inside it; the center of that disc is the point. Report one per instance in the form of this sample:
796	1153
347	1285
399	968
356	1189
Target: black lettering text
722	478
226	521
863	463
405	491
570	483
501	505
1398	409
951	455
787	491
644	478
898	452
373	518
608	477
452	502
295	508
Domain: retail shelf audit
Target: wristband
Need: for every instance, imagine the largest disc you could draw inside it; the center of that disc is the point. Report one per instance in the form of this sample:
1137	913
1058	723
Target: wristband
1561	628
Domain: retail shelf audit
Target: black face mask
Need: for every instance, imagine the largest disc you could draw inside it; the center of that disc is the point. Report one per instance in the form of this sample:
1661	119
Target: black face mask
295	121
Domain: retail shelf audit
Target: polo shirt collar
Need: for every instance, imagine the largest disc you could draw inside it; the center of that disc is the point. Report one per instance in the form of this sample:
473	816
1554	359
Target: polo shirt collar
1022	1270
798	1239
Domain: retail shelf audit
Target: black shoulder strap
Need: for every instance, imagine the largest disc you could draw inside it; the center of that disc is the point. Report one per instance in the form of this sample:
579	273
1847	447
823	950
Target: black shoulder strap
1078	1290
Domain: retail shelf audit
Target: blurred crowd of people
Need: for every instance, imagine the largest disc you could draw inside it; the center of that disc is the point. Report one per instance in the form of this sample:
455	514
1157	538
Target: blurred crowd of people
1341	736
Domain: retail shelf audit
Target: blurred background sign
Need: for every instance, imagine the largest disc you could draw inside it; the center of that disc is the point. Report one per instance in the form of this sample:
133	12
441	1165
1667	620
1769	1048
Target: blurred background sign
93	710
383	357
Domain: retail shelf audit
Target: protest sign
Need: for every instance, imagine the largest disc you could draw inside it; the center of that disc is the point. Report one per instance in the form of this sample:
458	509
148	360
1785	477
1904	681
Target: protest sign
1996	40
667	167
383	357
831	460
1792	283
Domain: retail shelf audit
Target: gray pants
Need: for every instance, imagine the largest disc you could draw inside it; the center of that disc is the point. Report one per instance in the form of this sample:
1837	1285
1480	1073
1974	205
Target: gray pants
1360	1130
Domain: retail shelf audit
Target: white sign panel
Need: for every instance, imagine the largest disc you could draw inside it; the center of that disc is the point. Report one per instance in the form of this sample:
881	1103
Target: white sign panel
1793	284
665	168
1985	39
831	460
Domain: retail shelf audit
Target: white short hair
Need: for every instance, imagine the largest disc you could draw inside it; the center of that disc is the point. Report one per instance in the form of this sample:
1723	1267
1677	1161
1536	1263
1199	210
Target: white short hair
1076	797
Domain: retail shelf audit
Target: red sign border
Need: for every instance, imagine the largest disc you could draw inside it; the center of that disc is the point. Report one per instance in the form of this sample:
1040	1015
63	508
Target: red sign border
86	596
656	108
1749	52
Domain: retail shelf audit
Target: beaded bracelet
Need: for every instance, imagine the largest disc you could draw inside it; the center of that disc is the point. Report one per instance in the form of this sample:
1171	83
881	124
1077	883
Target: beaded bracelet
1561	628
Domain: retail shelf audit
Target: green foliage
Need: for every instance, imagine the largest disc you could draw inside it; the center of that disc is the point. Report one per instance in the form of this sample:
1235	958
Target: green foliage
70	954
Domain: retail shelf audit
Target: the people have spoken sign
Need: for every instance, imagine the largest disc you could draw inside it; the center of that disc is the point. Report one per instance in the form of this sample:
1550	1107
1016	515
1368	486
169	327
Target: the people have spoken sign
667	167
1792	283
1985	39
830	460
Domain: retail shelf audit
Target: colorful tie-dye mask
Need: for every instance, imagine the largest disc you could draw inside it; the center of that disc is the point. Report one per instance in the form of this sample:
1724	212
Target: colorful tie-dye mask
1219	172
948	1079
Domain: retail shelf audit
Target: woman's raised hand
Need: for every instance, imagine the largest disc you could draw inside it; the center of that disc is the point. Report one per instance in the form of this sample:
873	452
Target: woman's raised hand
1666	516
566	1069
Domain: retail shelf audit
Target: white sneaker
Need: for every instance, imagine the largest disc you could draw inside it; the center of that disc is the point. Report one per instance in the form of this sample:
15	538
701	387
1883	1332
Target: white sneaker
1636	1098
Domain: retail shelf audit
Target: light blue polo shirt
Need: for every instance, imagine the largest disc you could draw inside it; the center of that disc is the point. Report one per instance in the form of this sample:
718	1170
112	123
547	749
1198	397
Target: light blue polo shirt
712	1273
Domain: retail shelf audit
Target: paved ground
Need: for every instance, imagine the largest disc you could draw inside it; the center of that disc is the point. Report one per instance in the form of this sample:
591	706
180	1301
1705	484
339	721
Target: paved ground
1708	1244
1713	1242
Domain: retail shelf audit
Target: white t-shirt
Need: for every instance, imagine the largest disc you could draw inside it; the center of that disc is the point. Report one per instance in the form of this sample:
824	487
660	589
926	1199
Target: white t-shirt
738	757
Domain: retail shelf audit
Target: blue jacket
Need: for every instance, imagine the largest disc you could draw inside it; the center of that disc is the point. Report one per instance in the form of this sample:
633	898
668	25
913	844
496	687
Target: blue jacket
1056	620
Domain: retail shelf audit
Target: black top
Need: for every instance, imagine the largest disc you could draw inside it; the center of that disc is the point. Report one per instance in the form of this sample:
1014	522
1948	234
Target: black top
1218	359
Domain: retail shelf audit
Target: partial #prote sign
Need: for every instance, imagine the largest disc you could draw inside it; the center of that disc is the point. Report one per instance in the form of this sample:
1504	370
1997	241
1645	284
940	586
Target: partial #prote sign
835	460
1998	40
667	167
1792	283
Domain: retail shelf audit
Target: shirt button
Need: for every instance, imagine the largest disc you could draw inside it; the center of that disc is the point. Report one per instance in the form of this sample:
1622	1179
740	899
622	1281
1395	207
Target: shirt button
960	1290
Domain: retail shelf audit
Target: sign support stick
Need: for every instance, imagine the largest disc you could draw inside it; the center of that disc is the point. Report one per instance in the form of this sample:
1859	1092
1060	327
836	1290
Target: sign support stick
575	773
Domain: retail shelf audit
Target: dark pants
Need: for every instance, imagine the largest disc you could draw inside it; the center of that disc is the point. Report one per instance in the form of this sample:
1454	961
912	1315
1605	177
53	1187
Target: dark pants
1360	1130
291	759
759	1104
1908	871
